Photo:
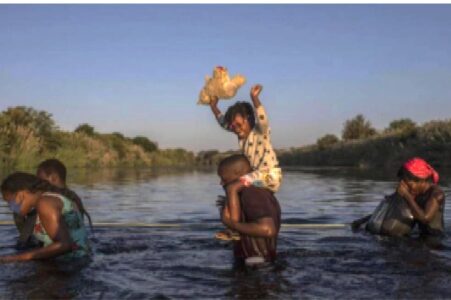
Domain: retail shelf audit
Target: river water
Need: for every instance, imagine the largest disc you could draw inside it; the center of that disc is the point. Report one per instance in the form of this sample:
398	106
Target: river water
187	262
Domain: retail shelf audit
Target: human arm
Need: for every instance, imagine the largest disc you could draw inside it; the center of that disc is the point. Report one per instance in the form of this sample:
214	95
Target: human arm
255	92
260	113
432	205
263	227
260	214
217	113
214	106
233	199
49	211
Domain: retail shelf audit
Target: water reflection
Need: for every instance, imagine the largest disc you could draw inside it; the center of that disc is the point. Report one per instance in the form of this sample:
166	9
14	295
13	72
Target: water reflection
187	262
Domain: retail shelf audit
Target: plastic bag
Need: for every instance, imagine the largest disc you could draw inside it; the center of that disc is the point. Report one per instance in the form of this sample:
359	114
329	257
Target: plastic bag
391	217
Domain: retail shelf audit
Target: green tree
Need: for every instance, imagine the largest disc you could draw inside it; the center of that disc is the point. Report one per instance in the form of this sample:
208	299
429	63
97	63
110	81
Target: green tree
145	143
401	125
357	128
327	141
436	132
118	144
86	129
38	123
119	136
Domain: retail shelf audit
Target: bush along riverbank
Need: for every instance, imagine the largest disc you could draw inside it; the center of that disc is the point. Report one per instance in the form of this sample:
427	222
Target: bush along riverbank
28	136
362	146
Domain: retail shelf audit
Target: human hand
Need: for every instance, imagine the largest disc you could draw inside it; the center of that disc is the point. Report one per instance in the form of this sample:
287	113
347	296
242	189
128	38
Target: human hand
256	90
220	202
403	190
234	187
214	101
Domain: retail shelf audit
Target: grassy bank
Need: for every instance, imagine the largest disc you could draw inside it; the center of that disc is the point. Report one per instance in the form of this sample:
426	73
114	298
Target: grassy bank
28	136
432	141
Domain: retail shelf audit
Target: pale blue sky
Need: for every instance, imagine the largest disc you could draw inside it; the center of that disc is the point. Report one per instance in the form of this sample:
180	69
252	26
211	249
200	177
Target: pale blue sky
138	69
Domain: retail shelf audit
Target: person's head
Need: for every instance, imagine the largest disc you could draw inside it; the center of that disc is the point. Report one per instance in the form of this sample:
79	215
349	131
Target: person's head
418	175
22	190
53	171
240	119
232	168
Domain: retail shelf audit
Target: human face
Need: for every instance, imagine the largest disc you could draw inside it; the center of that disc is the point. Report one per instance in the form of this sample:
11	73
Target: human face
19	202
240	126
53	178
227	178
417	187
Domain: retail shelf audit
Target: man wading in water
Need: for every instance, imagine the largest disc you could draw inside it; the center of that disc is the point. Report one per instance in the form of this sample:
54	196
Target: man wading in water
259	223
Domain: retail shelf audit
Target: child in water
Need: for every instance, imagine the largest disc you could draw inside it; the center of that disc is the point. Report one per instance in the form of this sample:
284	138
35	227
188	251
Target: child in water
53	171
253	132
59	223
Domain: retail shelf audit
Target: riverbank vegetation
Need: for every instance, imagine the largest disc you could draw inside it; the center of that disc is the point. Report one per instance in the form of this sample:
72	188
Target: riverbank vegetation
363	146
28	136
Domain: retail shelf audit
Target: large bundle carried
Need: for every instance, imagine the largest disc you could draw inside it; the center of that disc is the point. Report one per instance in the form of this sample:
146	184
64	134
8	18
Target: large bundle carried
391	217
220	85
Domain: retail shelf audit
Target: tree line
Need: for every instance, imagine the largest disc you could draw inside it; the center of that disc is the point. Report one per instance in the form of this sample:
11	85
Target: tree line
28	136
361	145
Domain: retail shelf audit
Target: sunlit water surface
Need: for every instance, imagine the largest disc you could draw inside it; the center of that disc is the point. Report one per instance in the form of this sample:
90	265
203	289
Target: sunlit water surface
186	262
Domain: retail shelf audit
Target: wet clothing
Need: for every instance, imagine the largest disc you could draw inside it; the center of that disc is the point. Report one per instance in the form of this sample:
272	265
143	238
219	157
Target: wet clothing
25	225
257	203
258	149
391	217
74	222
75	198
435	228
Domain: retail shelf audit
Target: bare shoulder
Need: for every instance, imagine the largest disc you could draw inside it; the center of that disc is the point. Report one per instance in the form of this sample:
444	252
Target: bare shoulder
48	203
256	192
438	194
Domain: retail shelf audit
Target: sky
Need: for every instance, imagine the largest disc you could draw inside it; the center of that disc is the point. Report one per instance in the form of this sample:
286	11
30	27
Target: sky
138	69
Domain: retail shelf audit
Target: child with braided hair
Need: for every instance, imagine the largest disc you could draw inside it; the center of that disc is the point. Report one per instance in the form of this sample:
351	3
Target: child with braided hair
59	223
55	172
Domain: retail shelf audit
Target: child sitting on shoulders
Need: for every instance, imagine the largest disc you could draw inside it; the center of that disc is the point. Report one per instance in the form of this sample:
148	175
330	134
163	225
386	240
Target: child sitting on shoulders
253	132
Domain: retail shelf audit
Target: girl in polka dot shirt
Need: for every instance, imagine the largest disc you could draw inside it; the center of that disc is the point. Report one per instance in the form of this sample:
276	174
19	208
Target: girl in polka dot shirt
250	124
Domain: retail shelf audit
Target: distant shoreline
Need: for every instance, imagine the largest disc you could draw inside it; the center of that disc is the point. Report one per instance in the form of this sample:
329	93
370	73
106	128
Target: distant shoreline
28	136
431	141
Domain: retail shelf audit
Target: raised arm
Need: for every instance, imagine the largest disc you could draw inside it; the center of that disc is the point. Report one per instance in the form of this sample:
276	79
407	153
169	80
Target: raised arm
214	106
255	92
217	113
261	118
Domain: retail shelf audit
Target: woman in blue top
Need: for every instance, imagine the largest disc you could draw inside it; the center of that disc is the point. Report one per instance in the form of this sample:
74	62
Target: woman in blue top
59	225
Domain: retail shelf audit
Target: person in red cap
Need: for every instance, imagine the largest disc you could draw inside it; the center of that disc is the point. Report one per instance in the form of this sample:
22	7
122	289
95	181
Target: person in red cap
417	200
418	186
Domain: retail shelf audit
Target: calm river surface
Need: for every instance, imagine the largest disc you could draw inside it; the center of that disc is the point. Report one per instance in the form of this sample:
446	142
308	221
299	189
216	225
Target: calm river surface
186	262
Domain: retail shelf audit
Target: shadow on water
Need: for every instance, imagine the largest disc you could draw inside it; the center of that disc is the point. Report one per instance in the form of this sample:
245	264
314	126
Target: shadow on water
186	262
